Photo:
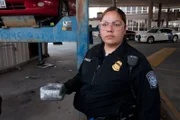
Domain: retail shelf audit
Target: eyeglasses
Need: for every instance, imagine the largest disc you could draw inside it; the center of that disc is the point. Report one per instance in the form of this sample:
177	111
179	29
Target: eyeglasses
116	25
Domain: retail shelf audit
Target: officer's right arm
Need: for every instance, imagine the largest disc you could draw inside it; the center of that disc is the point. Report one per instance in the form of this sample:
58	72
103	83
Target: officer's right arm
73	84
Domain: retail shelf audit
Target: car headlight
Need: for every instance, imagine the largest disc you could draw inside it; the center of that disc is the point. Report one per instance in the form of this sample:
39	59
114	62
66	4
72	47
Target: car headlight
40	4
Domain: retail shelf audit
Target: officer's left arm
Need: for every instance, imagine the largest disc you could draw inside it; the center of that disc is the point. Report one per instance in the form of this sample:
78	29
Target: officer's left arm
148	97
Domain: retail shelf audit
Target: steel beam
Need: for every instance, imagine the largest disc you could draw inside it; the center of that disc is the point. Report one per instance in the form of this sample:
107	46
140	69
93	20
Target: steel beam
82	29
42	34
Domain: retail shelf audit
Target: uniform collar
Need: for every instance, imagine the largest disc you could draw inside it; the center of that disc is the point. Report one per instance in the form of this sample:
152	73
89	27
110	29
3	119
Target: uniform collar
121	50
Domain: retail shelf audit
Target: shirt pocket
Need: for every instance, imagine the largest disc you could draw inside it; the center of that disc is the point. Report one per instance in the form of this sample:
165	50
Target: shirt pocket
117	71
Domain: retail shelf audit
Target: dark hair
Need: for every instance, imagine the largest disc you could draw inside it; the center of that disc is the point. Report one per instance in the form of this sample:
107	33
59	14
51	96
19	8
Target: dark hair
119	11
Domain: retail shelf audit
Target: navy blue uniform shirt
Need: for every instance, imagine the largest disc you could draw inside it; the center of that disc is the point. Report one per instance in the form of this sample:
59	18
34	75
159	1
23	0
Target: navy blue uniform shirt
102	84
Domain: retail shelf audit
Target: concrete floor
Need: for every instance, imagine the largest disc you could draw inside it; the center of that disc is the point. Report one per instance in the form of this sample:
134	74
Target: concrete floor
21	94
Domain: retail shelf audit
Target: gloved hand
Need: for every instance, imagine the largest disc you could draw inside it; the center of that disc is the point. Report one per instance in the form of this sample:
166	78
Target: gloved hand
53	91
63	91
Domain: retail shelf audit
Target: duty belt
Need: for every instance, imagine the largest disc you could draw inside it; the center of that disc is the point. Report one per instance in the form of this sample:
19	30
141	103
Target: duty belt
129	117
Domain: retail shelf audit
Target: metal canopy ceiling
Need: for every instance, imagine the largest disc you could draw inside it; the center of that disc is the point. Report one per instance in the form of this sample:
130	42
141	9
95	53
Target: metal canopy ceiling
107	3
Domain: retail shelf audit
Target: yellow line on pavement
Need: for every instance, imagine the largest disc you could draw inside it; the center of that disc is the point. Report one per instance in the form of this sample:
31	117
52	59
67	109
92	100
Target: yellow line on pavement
158	57
170	106
155	60
167	70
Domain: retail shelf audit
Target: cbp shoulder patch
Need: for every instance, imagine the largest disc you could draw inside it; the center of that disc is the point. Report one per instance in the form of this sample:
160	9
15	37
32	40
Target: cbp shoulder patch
152	79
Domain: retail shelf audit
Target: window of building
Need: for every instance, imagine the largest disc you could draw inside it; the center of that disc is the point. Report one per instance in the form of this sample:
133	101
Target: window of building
139	9
133	10
129	22
164	10
142	25
135	25
176	10
144	9
128	10
130	28
146	25
156	10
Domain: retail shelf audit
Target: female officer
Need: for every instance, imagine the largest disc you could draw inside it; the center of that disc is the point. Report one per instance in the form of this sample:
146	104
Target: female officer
115	81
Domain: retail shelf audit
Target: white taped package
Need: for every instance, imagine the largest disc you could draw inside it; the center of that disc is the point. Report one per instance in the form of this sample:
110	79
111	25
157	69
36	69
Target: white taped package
51	91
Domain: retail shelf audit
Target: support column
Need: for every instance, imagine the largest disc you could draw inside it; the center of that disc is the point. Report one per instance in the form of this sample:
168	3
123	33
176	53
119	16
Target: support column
146	26
150	17
46	54
179	26
114	3
167	19
138	25
159	15
82	16
41	62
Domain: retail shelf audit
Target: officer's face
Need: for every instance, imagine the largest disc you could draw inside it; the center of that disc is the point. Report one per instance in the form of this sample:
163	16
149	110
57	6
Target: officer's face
112	28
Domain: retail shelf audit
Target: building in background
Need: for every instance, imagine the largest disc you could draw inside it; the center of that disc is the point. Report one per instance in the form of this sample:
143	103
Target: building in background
137	17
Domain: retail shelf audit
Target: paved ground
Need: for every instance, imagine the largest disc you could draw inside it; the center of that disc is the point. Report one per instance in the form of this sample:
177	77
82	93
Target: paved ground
168	72
21	94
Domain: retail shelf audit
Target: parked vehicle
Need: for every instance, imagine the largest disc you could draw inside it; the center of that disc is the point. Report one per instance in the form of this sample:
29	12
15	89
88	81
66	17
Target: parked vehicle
130	35
44	11
158	34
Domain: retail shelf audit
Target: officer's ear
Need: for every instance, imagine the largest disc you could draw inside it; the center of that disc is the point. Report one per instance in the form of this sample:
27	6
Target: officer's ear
125	27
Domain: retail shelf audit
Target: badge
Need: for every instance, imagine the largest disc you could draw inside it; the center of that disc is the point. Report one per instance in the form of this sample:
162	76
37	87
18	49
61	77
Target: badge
117	66
152	79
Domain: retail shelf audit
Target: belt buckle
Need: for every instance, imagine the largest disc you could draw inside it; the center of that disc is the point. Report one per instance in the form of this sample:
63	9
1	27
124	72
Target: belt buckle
100	118
107	118
129	116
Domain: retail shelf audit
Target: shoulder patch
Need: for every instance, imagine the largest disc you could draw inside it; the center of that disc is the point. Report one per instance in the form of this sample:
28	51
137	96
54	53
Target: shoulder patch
152	79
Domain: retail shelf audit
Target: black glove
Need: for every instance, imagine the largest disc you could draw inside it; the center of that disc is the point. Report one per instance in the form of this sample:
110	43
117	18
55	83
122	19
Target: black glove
63	91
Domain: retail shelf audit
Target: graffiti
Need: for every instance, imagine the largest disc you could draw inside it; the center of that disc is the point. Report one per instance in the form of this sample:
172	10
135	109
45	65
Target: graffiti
36	36
43	34
4	35
12	35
